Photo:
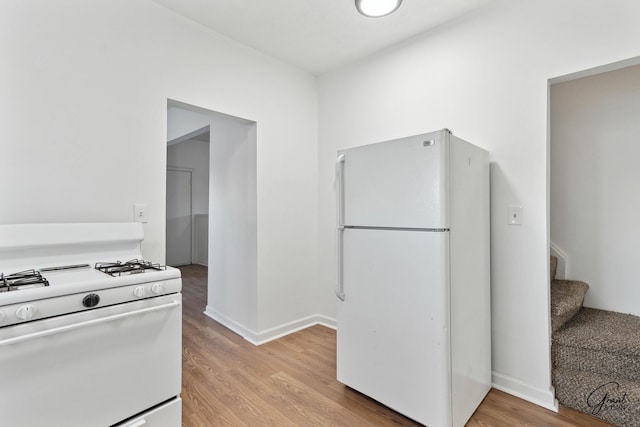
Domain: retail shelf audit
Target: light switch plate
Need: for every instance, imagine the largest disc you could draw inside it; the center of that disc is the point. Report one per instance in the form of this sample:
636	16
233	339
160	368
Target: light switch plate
514	215
140	212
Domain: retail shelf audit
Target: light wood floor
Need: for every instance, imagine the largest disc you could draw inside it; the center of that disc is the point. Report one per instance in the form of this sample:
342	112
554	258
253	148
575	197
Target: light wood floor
226	381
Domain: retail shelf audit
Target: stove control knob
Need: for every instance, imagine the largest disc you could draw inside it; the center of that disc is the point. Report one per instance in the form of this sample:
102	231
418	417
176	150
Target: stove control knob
157	288
139	291
91	300
26	312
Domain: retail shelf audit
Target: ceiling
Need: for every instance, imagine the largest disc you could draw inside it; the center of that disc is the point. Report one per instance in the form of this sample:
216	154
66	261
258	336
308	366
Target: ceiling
318	35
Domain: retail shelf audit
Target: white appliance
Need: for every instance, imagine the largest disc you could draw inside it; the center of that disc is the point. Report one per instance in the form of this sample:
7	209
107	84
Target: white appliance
90	334
413	275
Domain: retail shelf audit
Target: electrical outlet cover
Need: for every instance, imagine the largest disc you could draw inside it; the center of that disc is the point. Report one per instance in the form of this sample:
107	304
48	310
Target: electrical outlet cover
514	215
140	212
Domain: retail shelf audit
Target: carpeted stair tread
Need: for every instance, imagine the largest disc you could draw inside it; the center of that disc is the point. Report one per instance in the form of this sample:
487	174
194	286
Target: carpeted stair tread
566	300
600	330
611	399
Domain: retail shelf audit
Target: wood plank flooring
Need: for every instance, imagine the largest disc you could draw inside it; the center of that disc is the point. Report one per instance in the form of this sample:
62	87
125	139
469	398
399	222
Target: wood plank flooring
226	381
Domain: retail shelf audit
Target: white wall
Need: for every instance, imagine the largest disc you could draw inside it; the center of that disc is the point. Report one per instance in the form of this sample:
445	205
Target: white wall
233	290
594	184
84	106
485	77
182	124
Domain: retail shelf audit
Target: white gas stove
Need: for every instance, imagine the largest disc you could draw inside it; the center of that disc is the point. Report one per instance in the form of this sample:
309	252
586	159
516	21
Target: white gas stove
88	329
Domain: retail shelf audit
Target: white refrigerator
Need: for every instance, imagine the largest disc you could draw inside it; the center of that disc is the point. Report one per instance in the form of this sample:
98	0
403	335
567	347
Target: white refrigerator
413	316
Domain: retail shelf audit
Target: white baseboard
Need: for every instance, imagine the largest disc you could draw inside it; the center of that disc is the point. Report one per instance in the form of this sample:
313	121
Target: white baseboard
291	327
227	322
270	334
515	387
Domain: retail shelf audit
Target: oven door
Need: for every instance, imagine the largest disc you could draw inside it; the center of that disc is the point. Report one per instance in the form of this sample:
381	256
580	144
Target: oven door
93	368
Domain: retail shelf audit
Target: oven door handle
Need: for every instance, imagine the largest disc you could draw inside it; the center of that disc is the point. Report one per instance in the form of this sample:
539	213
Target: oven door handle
91	322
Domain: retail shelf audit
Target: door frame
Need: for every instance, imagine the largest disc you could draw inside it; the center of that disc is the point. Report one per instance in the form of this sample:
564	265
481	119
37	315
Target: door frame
191	238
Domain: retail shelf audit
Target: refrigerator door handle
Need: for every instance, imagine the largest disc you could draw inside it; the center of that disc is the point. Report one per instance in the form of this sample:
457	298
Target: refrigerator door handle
340	227
339	189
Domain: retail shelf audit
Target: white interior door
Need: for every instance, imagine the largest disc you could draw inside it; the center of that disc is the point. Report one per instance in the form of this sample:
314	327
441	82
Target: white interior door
179	218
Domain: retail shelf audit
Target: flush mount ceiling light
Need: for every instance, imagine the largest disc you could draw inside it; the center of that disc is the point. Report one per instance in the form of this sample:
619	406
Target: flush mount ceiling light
377	8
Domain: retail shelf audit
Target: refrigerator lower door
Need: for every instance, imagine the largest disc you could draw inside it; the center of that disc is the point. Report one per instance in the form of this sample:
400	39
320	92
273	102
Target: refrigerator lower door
393	325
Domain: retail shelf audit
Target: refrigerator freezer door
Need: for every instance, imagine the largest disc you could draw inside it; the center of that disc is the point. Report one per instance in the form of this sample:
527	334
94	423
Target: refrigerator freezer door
400	183
393	325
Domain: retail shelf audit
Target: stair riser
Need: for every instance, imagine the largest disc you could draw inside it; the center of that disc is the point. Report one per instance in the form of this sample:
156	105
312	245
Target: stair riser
616	401
618	365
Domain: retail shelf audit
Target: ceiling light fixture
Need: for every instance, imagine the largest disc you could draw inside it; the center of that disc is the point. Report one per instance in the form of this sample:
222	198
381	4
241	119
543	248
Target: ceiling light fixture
377	8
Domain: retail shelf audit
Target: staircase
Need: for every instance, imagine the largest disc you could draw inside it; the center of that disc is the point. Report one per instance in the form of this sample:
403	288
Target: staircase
595	355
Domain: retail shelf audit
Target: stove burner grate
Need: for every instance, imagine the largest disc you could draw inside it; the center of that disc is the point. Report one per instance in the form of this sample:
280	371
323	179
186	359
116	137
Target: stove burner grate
22	280
134	266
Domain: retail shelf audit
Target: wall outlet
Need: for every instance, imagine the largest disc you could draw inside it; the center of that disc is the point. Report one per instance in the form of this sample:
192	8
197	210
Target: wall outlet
140	212
514	215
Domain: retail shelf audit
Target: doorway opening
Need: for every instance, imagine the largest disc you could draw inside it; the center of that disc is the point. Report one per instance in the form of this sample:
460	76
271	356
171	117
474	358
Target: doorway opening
211	208
594	229
592	181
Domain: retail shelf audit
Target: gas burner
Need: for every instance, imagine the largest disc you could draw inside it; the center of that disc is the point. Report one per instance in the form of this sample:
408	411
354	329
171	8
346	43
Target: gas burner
130	267
22	280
